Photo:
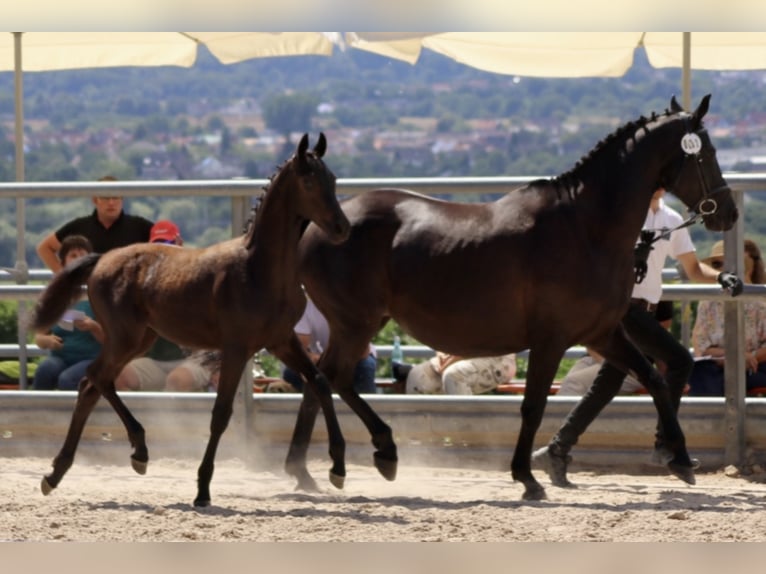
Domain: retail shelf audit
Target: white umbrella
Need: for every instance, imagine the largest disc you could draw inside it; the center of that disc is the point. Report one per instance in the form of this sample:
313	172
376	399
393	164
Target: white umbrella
579	54
48	51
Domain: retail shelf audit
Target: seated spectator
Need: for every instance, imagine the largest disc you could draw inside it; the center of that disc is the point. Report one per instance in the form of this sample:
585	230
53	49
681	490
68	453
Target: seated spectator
75	341
314	333
453	375
582	374
708	338
166	367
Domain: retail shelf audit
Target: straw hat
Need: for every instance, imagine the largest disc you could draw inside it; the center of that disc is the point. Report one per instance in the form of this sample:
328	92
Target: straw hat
716	254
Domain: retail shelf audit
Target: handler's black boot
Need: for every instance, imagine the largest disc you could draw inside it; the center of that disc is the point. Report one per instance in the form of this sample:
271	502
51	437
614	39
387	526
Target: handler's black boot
554	461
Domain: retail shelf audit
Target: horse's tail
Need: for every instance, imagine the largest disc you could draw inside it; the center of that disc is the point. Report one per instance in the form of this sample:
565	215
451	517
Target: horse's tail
62	292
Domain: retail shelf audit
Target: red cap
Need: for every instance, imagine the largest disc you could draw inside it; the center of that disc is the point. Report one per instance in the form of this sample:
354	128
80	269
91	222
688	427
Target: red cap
164	231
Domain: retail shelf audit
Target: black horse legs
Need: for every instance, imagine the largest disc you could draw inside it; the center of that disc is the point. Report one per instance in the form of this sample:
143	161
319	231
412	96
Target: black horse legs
87	397
316	394
543	363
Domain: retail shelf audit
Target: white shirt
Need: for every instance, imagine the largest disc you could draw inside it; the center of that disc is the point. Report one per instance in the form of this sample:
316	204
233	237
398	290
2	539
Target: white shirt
314	325
679	243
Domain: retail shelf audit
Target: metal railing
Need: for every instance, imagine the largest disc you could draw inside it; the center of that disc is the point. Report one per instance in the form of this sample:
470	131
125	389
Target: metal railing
242	190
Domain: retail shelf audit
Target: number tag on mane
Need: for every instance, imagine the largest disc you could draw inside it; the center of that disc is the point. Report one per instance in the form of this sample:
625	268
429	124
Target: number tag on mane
691	144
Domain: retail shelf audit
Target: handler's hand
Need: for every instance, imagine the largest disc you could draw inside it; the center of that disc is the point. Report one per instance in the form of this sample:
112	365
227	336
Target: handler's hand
730	283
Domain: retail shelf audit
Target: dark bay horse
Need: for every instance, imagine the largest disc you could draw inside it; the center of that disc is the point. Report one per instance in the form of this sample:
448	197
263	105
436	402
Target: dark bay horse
543	268
238	296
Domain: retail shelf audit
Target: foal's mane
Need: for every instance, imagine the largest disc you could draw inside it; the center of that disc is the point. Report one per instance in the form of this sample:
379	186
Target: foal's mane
252	221
620	142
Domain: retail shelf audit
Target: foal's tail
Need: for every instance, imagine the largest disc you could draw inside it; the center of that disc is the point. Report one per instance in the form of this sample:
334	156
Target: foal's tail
62	292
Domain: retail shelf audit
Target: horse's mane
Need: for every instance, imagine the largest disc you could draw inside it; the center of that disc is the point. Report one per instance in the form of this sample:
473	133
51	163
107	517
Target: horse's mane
252	221
623	138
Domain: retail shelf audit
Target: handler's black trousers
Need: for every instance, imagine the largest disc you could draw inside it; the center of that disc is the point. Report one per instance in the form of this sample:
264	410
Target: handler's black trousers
653	340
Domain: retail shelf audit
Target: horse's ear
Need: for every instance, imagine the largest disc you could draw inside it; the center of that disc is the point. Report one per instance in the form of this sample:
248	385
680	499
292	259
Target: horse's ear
702	109
674	105
303	145
321	145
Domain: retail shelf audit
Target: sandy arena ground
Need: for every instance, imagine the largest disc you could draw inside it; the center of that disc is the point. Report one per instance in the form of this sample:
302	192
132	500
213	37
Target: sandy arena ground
112	503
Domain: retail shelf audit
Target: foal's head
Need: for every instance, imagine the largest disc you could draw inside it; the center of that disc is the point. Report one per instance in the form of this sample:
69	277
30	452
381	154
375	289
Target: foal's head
311	186
694	176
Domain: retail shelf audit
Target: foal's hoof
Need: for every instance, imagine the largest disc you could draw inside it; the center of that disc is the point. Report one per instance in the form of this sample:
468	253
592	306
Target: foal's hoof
138	465
386	466
684	472
45	486
337	480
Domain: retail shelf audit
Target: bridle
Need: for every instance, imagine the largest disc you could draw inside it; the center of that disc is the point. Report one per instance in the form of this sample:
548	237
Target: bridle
691	144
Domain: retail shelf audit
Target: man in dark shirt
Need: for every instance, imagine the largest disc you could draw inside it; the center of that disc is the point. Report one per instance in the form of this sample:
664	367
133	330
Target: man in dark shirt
108	227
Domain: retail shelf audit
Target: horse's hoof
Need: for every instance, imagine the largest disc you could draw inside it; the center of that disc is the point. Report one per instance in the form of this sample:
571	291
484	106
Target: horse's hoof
307	484
45	486
138	465
684	472
337	480
534	492
555	465
386	466
201	502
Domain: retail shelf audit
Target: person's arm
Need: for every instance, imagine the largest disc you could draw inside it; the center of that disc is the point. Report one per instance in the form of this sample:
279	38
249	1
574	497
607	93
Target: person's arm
696	270
48	250
48	341
700	272
88	324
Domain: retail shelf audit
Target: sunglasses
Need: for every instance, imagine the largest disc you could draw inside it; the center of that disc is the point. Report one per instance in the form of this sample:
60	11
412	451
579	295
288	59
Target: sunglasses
716	264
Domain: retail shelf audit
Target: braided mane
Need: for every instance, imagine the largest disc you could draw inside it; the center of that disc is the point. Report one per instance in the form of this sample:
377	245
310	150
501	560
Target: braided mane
618	142
250	223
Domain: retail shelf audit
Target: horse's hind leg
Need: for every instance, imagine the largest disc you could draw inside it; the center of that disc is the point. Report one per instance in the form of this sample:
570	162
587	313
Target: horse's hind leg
543	363
139	459
87	397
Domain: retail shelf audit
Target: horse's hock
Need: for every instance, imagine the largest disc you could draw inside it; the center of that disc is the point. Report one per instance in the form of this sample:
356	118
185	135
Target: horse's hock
439	430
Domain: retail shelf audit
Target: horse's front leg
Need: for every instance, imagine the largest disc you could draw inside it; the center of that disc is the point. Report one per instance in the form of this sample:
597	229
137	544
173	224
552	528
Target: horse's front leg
87	397
340	370
317	393
543	362
232	364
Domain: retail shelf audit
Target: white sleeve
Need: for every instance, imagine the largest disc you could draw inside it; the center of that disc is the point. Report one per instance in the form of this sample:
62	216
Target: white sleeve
681	242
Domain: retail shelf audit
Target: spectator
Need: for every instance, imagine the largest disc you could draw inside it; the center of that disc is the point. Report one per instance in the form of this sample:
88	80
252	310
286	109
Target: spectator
454	375
75	341
108	227
708	338
314	333
166	366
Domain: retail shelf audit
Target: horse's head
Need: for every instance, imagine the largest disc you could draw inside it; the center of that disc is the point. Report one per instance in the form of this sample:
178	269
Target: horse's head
694	176
314	195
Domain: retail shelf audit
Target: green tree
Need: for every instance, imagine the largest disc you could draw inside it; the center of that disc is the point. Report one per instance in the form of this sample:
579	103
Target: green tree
287	113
